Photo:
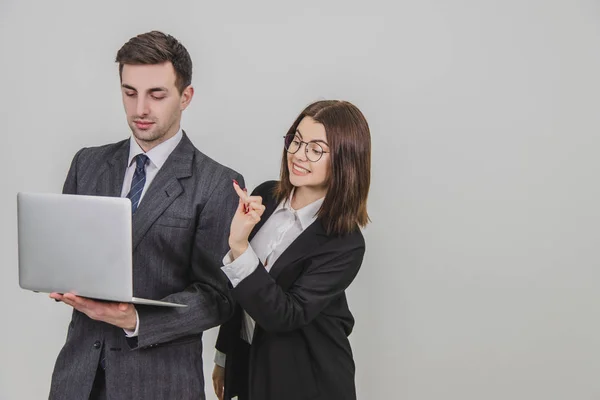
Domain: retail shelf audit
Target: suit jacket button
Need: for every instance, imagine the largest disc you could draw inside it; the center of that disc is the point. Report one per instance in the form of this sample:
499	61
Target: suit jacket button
97	344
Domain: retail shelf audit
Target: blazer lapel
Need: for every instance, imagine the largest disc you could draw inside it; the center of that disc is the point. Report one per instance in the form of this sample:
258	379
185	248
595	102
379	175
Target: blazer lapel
312	237
110	178
308	241
164	189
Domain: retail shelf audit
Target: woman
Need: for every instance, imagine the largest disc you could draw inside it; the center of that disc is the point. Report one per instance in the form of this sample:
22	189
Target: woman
295	246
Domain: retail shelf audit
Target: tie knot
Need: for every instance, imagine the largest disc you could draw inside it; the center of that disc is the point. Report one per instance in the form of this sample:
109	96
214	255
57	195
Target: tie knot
140	161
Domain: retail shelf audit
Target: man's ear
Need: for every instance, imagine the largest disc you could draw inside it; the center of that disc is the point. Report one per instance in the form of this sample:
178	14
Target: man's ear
186	97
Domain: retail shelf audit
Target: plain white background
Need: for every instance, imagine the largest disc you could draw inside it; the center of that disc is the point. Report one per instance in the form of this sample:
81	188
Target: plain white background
482	273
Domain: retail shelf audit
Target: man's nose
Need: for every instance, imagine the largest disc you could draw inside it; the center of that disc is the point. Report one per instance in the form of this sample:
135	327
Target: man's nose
142	107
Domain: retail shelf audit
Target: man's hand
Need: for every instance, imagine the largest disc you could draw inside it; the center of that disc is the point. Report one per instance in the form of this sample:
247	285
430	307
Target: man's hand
118	314
218	378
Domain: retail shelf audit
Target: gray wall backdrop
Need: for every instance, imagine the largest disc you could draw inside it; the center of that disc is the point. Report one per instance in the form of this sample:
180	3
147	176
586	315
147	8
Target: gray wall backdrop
482	273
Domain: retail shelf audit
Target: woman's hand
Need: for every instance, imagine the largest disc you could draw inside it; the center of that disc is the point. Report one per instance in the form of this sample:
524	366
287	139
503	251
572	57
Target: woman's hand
218	378
247	215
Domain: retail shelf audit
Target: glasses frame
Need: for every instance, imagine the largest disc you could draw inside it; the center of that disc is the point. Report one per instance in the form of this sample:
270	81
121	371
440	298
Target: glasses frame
305	147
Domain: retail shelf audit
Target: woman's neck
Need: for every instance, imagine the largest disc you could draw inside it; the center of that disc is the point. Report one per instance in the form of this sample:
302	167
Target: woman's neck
304	196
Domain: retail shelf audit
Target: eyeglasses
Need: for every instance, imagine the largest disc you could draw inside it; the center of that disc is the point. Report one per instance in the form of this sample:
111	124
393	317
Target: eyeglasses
313	150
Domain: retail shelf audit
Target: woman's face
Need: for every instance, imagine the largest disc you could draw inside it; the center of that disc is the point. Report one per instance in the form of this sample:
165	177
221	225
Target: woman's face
304	173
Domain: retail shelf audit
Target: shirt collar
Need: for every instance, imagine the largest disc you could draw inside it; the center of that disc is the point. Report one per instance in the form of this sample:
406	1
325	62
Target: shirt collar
157	155
306	215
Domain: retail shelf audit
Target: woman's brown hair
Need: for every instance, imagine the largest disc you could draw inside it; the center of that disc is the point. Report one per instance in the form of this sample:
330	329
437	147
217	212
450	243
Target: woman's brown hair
345	206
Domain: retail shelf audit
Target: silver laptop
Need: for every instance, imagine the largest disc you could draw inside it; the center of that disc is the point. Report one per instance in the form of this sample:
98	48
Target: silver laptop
77	244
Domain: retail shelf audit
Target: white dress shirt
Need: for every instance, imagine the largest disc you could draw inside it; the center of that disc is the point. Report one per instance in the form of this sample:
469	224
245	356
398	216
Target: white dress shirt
157	157
273	238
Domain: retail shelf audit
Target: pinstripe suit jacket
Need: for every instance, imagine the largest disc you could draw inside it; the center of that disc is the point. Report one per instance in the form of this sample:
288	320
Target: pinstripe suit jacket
180	233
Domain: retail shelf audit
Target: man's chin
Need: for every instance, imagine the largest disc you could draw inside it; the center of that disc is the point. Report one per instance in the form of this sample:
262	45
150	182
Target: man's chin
147	135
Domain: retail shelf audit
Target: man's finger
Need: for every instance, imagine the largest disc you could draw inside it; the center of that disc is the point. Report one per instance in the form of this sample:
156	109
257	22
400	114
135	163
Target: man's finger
81	301
70	303
56	296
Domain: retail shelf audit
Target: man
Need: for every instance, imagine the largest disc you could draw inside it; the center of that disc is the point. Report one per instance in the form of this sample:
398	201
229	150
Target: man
182	203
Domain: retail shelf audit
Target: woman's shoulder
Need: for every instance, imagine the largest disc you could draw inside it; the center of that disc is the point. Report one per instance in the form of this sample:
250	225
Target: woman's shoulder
350	241
265	189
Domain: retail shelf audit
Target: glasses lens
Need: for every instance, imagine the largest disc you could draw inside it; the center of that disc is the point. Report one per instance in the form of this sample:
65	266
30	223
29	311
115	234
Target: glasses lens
292	143
287	140
314	151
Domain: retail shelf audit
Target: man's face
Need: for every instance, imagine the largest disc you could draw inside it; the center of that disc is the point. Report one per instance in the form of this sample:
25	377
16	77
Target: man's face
152	102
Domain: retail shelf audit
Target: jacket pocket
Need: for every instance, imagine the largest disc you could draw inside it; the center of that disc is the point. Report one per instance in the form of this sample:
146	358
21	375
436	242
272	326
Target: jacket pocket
166	220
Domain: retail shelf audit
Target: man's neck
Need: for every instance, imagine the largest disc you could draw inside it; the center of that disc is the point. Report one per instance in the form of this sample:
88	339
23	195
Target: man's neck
149	145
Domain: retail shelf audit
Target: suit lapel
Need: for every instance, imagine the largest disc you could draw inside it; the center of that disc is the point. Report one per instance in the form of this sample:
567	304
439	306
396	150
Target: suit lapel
110	178
164	189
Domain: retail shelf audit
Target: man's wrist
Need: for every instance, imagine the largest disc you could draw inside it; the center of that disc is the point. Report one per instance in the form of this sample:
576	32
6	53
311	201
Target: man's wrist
131	321
132	326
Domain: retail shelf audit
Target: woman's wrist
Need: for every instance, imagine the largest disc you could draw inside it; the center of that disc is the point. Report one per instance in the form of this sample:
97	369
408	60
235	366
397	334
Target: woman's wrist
237	249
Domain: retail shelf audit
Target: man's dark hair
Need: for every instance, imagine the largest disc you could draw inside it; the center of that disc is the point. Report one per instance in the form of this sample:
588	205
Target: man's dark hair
156	48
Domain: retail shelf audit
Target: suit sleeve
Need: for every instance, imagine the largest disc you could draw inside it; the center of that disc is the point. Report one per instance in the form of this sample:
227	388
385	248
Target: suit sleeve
208	299
228	332
70	185
276	310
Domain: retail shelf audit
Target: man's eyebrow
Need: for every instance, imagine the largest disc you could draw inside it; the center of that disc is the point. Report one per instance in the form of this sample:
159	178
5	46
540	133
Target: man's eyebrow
151	90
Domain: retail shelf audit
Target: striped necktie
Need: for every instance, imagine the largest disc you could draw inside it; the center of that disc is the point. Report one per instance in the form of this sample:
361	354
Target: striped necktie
139	179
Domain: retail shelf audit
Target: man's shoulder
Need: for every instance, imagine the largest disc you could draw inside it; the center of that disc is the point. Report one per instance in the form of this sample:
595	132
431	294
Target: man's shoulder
102	152
209	167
